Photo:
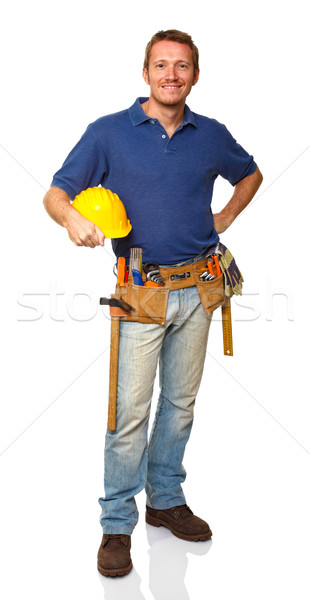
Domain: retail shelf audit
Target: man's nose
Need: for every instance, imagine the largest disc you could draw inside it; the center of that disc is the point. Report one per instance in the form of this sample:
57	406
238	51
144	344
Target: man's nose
171	74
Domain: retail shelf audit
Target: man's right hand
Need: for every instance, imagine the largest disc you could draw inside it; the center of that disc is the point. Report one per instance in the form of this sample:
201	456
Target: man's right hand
83	232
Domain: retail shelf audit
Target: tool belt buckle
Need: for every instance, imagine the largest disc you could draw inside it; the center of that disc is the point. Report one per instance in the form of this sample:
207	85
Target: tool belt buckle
179	276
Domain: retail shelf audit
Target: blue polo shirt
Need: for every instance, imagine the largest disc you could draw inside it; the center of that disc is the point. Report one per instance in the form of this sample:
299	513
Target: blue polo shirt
166	184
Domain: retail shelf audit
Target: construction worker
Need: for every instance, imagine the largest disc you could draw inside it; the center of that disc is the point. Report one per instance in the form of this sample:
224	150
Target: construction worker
162	161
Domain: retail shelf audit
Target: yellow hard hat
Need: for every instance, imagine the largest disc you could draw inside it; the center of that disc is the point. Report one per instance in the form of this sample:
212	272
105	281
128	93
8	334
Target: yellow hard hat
105	209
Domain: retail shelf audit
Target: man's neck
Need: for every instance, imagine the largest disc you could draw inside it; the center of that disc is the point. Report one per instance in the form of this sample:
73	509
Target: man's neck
170	117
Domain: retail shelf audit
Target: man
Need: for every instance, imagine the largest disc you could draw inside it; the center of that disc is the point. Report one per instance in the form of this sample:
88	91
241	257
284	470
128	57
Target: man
162	161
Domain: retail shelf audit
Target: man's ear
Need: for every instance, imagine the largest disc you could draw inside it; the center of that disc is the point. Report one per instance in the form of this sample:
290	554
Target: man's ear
145	76
196	77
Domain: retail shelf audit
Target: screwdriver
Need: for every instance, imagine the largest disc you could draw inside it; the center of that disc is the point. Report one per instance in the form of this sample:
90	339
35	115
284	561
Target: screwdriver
137	279
121	268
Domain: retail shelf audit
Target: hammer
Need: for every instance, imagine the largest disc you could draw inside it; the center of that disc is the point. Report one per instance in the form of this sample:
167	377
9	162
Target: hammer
118	308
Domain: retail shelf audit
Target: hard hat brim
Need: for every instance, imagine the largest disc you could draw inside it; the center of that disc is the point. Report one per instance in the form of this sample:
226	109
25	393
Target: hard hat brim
117	233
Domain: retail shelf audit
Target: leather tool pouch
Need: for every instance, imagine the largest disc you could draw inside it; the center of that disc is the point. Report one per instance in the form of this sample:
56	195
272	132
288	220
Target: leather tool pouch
149	305
211	293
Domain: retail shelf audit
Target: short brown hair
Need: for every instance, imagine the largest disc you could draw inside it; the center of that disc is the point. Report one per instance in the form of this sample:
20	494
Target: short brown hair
172	35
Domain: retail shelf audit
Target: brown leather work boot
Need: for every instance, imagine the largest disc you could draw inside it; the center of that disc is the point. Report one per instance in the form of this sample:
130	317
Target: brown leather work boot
181	521
114	555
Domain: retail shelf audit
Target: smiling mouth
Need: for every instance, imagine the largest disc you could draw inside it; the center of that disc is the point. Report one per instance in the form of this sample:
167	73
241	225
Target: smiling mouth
171	87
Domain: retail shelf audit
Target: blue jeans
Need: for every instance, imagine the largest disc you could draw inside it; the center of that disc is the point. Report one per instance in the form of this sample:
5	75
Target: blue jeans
131	462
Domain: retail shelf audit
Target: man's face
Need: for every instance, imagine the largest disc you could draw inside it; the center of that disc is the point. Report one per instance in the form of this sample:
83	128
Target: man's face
171	73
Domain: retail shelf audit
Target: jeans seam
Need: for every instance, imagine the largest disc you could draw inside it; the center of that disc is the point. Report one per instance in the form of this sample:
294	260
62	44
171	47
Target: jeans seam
158	413
161	396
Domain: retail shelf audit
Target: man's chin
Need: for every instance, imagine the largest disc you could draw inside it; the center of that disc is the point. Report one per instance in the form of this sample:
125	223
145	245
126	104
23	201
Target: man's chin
171	102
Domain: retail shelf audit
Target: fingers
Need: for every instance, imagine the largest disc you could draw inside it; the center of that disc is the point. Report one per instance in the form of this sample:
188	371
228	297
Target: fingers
100	236
85	233
89	242
93	239
219	223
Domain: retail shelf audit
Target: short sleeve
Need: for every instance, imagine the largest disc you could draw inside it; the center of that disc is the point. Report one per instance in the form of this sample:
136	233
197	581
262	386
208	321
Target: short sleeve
84	167
234	162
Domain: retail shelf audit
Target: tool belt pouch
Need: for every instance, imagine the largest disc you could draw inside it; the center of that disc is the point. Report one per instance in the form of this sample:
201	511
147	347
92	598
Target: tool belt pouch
149	305
211	293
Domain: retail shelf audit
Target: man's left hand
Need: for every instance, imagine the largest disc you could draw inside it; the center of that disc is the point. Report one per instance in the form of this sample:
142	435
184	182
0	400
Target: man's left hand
244	191
220	222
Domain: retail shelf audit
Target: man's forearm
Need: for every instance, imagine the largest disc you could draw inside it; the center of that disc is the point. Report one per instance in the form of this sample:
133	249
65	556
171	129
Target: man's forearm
244	191
81	231
58	206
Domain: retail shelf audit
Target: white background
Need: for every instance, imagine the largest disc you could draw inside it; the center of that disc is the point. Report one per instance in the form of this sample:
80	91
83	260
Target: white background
64	64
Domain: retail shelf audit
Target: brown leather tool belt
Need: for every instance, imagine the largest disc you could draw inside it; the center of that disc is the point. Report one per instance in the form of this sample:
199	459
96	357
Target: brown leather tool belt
149	304
176	278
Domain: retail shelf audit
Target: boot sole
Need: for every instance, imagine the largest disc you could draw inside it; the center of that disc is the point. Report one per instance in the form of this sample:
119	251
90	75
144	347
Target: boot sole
115	572
189	538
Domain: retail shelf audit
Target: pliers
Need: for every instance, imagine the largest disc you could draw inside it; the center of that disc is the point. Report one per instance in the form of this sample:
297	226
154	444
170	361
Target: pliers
209	274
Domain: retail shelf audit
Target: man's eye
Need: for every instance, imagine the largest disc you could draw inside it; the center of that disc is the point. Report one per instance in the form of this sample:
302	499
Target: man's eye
160	66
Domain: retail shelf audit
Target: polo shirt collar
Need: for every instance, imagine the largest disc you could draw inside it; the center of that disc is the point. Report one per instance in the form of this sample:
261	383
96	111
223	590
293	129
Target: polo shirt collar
138	116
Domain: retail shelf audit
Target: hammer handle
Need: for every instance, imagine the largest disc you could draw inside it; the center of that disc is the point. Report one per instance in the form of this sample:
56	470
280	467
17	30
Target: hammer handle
114	345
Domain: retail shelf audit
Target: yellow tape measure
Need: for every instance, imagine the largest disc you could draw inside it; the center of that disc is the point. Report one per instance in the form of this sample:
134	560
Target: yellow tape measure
227	328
